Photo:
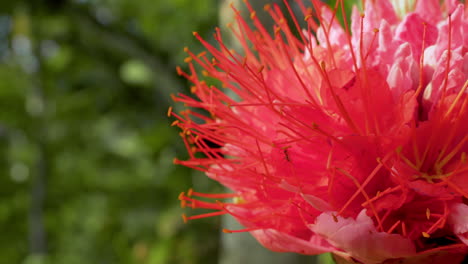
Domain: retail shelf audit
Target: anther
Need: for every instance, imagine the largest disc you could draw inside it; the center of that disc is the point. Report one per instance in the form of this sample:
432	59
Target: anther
277	30
181	196
169	111
179	71
193	149
253	15
261	69
322	65
335	218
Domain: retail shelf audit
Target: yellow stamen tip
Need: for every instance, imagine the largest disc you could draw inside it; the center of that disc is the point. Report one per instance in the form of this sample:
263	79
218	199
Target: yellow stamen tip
322	65
169	111
253	15
181	195
185	218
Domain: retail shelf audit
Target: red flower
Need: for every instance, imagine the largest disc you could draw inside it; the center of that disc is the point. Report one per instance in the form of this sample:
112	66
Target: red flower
337	142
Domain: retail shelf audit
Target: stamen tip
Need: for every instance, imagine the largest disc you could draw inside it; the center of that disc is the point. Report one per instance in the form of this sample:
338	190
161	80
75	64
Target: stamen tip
178	70
335	218
322	65
253	14
169	111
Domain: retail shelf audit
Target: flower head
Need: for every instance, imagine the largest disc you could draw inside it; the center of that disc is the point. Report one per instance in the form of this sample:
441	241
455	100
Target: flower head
350	140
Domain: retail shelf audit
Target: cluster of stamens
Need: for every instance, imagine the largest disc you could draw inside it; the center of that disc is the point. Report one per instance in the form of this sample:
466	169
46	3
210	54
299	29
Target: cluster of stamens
436	159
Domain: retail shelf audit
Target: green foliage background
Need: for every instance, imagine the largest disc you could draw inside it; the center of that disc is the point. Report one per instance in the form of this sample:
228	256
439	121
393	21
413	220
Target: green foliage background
85	144
86	147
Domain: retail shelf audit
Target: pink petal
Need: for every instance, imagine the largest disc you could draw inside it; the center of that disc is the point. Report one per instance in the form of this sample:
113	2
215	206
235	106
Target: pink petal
459	221
457	33
403	74
336	34
411	30
429	10
281	242
360	239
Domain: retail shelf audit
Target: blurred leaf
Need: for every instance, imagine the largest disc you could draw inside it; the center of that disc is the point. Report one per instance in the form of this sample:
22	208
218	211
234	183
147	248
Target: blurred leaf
136	72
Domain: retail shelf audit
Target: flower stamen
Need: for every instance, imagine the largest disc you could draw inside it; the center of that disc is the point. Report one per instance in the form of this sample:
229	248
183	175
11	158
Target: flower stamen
364	193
